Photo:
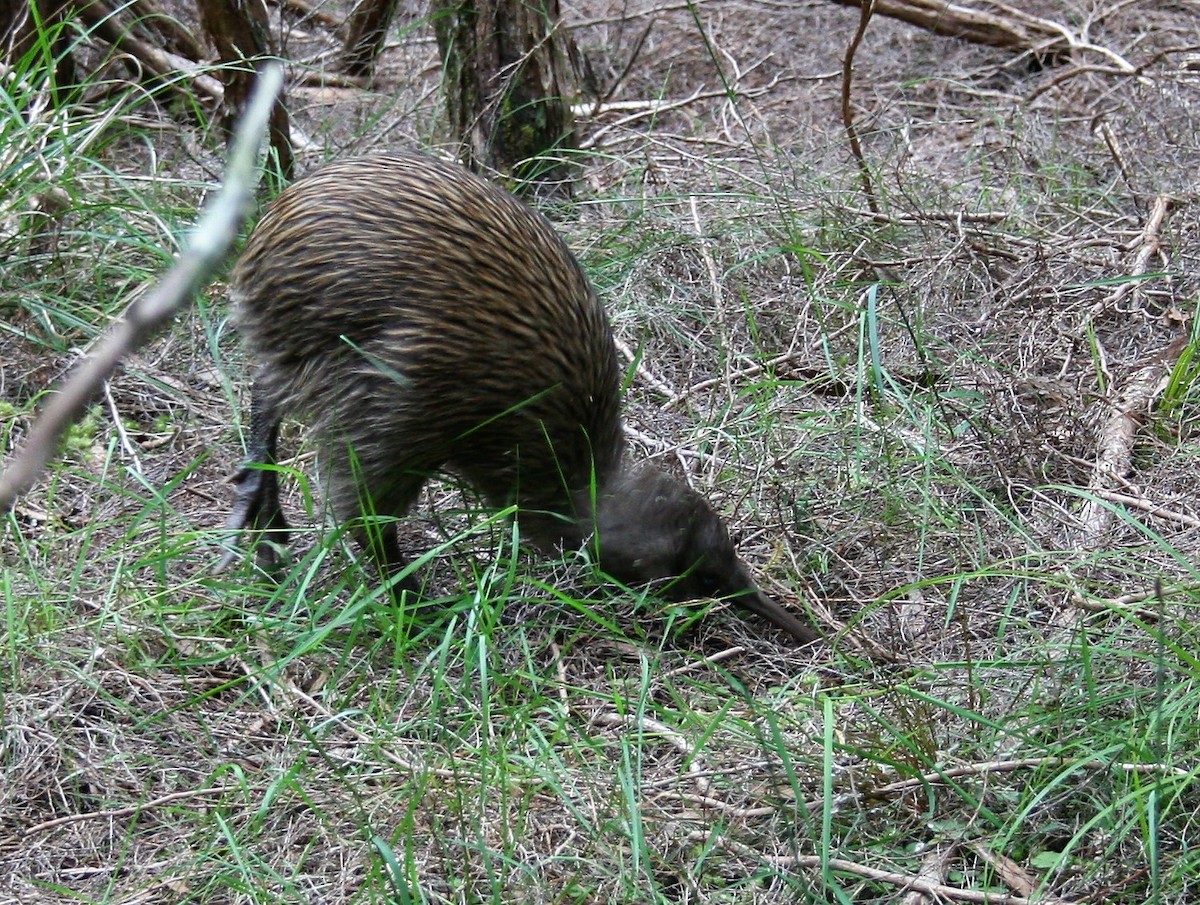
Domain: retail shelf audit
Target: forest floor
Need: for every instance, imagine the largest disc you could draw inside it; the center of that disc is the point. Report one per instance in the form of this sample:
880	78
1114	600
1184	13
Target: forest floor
949	417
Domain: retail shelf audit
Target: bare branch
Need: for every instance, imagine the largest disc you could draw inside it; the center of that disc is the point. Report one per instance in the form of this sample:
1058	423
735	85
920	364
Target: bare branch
864	171
997	30
209	243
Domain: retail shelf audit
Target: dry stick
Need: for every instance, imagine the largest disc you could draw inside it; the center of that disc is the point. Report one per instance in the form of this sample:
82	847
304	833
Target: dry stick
1117	434
755	369
1073	42
907	881
714	280
646	109
1115	441
310	11
128	811
651	726
170	29
696	770
1073	72
1007	26
957	217
284	683
704	663
935	864
321	78
659	445
1011	874
1150	243
1114	149
710	264
1150	617
1011	766
867	7
1153	509
204	252
647	376
1124	600
368	738
159	62
620	79
710	804
1016	30
119	426
560	672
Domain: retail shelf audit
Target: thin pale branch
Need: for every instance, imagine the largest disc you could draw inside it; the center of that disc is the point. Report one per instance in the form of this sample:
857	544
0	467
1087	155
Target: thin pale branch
209	243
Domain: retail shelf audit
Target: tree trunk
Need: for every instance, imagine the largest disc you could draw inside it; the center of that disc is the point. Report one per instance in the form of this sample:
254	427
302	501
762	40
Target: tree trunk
505	78
367	28
25	24
241	33
172	34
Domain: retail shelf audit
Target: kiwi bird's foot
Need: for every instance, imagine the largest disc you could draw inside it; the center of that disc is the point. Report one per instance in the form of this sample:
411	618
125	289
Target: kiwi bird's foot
409	584
256	508
379	541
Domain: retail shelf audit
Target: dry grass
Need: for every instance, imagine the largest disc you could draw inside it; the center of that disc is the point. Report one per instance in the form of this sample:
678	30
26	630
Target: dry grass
901	414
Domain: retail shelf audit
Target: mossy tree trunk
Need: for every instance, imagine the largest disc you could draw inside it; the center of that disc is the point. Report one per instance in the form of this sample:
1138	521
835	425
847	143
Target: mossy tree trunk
504	75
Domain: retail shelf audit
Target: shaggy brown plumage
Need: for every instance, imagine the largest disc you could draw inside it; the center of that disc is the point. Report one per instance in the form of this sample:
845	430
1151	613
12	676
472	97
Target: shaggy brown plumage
423	320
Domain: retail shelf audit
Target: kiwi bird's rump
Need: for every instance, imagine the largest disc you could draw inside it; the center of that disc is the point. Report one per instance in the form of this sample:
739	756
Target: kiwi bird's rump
428	319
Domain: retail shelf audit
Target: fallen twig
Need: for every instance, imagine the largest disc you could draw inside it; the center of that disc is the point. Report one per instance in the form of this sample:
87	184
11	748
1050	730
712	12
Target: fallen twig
162	63
1016	30
1011	766
756	369
1012	874
695	766
937	891
128	811
935	864
1123	601
1134	400
1114	457
1155	509
308	10
644	109
1149	243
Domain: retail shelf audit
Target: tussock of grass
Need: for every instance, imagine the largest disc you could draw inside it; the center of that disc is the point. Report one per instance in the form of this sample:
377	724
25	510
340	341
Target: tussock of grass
899	415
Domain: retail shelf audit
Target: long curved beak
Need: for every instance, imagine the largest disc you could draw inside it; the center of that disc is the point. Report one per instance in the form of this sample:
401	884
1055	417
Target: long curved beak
761	605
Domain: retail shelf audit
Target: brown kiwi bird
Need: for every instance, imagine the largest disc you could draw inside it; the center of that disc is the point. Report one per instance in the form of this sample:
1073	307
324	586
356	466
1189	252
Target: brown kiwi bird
423	321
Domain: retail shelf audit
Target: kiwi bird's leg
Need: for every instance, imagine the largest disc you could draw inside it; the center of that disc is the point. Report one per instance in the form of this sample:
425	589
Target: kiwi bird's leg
256	503
369	500
379	540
